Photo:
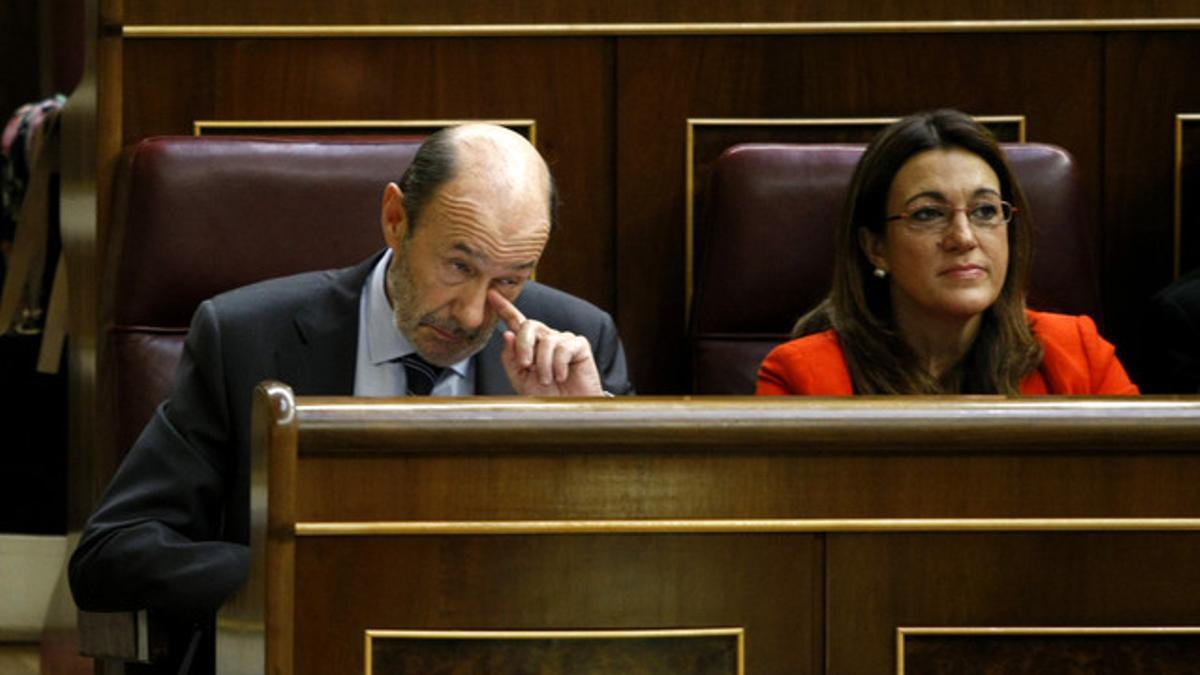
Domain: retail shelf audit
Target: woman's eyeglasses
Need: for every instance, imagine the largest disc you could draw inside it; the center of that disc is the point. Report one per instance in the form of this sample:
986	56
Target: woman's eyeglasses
936	216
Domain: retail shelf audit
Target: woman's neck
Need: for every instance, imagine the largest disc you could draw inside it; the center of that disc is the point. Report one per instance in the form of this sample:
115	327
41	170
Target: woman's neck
938	343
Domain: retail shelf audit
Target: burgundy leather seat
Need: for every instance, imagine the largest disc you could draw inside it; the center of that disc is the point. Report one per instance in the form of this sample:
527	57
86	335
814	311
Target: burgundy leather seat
197	216
767	241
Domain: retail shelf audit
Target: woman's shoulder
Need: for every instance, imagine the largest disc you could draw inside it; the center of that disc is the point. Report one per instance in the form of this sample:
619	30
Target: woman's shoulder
1075	358
812	365
1061	327
820	344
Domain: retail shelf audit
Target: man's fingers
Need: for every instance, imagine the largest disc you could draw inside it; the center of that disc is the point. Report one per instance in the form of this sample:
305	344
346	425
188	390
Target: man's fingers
508	355
544	365
528	336
565	356
506	310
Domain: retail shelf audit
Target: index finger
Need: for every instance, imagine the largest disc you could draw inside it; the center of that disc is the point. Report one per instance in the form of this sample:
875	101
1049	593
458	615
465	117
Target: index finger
507	311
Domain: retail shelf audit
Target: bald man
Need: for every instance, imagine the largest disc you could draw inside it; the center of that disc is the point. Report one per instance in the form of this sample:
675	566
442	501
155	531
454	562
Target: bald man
464	229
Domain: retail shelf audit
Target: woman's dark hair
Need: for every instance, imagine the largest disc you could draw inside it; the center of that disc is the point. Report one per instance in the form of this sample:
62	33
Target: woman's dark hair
859	305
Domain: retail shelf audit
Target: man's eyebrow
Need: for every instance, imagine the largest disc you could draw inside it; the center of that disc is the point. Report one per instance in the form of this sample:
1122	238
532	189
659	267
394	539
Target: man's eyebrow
469	252
483	259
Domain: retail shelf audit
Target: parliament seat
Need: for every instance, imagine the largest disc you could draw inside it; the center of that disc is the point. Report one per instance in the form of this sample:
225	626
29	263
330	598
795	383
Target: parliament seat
196	216
765	253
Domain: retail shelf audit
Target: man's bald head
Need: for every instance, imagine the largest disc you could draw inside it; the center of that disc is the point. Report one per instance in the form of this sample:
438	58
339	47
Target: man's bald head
486	153
473	217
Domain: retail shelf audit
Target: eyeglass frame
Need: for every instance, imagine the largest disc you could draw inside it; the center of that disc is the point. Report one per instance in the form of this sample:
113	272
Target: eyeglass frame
906	215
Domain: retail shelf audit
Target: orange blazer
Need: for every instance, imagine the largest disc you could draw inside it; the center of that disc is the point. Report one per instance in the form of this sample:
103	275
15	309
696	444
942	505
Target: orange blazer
1076	360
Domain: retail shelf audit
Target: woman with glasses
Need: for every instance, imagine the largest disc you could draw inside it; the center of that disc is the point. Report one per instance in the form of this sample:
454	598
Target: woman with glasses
932	257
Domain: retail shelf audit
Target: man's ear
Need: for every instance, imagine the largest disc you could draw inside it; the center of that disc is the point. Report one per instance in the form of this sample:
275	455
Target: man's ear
393	217
872	247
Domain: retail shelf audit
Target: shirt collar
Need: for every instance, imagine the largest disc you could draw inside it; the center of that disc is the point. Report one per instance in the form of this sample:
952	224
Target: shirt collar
384	341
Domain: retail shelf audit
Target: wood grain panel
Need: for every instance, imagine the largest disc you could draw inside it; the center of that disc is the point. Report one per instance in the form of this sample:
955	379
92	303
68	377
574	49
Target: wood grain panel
1054	80
740	457
1149	81
20	50
766	584
685	651
1187	193
563	84
572	11
1128	654
881	582
800	595
706	482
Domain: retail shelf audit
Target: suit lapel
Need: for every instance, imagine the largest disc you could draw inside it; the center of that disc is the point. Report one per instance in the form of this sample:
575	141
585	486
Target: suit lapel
321	357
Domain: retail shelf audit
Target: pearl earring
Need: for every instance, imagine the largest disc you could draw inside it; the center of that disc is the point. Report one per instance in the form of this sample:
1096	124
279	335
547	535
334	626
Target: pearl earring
880	273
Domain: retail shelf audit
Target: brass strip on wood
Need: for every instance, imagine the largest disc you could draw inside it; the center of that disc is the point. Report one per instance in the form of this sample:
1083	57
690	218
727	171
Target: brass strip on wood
555	634
1177	235
206	127
1049	630
738	526
671	28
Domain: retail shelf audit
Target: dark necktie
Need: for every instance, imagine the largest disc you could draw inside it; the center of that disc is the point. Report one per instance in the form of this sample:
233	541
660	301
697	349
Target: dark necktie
420	374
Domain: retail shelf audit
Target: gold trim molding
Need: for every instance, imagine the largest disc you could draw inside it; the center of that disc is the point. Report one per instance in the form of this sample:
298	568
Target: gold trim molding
607	634
642	29
903	632
543	634
1177	240
208	127
741	526
690	169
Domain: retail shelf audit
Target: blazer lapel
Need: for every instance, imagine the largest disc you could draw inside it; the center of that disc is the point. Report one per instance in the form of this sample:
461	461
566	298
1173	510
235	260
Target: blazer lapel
320	360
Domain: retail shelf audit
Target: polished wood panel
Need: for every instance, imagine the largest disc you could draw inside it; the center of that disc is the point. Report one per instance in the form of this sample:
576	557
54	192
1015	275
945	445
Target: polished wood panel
704	651
847	458
20	52
1143	94
706	483
562	84
815	77
566	11
1187	193
1128	654
661	513
879	583
768	587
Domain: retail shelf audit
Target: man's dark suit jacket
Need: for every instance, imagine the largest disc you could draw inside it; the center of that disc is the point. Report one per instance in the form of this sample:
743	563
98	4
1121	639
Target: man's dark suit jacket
171	531
1171	338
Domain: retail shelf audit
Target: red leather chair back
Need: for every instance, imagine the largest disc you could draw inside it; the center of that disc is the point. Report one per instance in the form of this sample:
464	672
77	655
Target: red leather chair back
197	216
767	248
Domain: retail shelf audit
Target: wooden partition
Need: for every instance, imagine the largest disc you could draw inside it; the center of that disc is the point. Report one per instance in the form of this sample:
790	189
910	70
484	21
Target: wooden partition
770	536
